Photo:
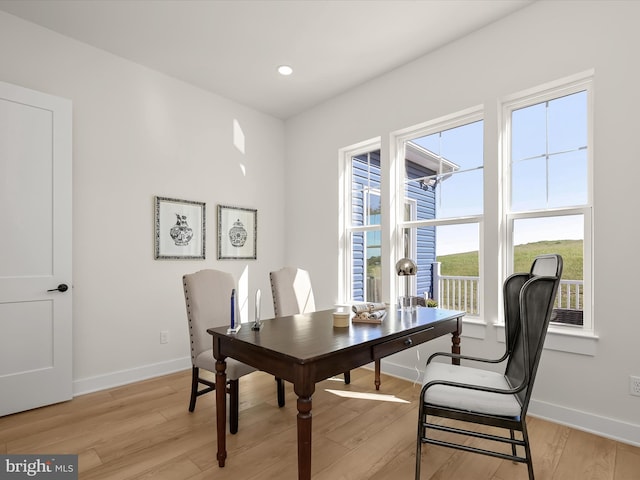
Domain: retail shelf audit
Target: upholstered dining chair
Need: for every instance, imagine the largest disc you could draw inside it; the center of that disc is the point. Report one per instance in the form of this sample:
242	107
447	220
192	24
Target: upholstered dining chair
292	294
207	295
487	397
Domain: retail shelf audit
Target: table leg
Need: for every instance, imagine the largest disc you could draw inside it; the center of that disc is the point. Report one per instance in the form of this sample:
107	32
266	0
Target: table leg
304	438
221	410
304	390
376	379
455	343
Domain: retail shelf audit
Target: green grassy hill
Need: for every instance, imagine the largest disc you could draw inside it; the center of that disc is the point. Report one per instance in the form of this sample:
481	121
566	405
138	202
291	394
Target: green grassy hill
466	264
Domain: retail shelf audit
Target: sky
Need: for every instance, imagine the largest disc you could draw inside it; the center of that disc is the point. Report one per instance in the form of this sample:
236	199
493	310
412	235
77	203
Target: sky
549	168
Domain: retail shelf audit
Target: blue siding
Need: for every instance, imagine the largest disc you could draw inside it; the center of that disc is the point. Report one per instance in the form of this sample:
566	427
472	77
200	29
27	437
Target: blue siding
426	236
366	173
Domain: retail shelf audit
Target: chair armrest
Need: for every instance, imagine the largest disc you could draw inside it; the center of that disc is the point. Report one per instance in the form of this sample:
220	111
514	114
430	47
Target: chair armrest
459	356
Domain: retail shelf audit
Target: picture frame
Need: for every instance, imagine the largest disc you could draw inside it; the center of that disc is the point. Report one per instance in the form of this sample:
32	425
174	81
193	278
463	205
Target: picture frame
180	229
237	233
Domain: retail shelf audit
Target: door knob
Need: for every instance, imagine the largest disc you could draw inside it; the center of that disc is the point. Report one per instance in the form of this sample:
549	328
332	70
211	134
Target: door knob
63	287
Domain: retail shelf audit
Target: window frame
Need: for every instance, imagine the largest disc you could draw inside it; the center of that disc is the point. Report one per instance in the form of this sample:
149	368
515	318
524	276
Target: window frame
345	221
582	82
398	224
581	340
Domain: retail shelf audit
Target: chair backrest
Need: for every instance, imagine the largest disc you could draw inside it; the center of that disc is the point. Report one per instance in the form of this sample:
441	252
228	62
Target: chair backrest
292	292
529	298
207	295
547	266
542	265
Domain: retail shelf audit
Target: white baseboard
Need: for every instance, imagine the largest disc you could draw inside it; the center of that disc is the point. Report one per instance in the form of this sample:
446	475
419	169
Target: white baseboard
123	377
588	422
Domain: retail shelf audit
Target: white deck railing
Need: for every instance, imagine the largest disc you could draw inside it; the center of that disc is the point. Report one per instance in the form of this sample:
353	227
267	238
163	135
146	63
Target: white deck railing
461	293
458	293
570	294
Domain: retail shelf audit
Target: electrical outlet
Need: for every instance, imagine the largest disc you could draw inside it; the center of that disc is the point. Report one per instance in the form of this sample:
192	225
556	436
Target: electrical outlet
164	336
634	385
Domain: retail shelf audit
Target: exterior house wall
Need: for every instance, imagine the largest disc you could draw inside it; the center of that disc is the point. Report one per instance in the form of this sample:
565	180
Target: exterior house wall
366	168
425	248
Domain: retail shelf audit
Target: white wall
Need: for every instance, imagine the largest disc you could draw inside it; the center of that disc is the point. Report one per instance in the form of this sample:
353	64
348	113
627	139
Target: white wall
544	42
137	134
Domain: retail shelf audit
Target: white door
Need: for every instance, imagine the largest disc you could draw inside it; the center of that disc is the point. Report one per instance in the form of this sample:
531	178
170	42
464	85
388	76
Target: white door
35	249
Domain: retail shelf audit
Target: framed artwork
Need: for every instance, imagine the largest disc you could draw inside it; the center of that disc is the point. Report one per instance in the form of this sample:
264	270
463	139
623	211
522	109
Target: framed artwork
237	233
180	229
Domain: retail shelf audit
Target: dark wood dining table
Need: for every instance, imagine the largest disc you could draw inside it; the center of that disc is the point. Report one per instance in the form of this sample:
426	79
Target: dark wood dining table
305	349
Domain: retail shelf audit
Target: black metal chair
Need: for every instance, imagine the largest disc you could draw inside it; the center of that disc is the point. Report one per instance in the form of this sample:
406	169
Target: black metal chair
486	397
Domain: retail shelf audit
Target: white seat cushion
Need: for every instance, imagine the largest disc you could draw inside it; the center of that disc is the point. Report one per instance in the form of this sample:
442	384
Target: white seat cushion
466	399
235	369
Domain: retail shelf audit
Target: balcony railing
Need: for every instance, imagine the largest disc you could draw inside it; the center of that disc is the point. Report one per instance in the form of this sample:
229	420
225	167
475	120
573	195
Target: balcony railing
461	293
458	293
570	294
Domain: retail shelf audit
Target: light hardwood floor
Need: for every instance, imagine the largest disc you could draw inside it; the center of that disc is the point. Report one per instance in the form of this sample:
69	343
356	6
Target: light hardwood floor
144	431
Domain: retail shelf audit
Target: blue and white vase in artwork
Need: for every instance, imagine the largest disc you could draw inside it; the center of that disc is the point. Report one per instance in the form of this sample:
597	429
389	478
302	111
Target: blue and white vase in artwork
238	234
181	232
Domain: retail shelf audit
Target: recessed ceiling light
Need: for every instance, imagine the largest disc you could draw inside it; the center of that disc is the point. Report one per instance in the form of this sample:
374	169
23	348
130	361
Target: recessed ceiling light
285	70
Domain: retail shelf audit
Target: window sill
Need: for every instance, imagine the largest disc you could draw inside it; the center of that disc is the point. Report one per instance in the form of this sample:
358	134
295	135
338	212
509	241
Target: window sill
561	339
473	327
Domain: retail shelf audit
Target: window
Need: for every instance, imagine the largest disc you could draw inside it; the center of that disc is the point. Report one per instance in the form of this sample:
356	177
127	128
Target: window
425	201
442	178
548	206
362	235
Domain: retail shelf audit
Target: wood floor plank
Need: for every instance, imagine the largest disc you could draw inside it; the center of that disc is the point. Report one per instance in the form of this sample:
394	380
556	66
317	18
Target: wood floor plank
134	465
325	452
548	441
374	416
74	437
144	430
180	467
400	467
627	462
145	433
467	466
364	459
586	457
88	460
278	451
18	425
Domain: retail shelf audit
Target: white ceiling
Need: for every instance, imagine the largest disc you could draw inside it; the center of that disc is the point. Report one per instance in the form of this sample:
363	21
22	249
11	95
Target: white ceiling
232	47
